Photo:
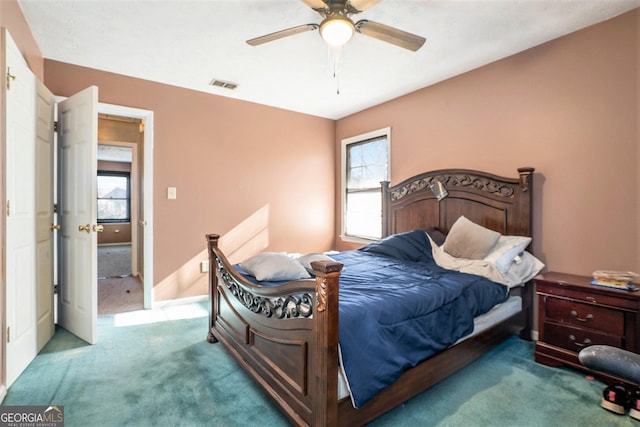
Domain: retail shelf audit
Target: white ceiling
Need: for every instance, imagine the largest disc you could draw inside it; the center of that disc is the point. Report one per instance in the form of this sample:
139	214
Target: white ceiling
188	43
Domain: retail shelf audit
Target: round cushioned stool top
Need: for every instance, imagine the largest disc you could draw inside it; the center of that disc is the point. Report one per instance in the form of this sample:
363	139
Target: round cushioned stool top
612	360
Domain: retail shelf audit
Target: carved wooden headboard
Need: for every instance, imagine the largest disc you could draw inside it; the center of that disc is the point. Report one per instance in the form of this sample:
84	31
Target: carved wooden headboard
499	203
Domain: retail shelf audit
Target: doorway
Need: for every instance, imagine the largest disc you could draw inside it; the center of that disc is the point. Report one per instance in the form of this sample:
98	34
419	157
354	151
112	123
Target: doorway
119	284
141	147
139	140
133	128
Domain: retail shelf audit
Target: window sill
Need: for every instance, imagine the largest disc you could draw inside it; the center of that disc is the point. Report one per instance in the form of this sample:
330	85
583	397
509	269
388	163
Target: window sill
354	239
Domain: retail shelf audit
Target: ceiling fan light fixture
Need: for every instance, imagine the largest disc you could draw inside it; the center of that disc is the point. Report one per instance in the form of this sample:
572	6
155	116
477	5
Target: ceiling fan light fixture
337	30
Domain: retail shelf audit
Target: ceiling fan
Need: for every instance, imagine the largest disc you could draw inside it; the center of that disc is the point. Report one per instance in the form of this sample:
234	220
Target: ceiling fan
337	28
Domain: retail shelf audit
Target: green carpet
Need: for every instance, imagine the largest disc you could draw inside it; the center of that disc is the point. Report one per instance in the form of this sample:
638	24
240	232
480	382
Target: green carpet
157	369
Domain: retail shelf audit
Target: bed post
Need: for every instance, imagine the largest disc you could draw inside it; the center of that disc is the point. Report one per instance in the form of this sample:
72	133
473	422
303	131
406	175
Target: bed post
324	406
212	240
526	186
385	208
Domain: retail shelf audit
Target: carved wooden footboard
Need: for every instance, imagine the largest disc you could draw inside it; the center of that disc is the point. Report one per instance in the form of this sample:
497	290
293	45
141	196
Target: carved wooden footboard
286	337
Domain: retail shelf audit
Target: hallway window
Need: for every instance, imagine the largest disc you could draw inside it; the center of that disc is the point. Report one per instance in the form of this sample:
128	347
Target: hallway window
114	196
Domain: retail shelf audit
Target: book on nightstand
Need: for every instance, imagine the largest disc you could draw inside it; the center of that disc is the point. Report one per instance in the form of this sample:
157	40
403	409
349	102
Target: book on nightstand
615	279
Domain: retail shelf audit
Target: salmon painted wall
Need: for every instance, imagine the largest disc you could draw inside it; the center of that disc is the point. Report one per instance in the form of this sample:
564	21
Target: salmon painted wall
13	20
259	176
569	108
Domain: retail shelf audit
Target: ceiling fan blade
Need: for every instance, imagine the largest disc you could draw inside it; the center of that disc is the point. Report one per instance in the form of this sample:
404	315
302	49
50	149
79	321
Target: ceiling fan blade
315	4
390	35
362	5
282	33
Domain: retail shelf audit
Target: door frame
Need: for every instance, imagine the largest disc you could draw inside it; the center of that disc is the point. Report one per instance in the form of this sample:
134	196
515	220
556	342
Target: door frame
147	198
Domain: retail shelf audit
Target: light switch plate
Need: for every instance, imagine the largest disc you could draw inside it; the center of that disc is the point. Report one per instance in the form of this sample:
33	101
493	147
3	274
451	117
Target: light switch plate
171	193
204	266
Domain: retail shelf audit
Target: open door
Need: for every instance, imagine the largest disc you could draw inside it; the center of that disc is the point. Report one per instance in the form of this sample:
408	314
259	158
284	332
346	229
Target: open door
28	165
45	107
77	169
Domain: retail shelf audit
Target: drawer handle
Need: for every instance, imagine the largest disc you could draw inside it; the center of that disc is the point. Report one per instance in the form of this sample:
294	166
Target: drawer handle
580	319
586	342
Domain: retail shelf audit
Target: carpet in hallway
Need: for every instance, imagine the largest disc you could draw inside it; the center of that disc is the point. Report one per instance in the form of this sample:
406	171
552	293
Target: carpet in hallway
120	294
114	260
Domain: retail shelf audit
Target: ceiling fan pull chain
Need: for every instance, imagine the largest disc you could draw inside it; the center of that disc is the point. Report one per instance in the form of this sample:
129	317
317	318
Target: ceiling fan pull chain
334	55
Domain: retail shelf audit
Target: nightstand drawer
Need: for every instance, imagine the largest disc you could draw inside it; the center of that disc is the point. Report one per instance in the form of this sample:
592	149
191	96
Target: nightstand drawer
585	315
576	339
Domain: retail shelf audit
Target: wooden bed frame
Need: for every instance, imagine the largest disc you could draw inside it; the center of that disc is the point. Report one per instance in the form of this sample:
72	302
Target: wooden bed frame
286	337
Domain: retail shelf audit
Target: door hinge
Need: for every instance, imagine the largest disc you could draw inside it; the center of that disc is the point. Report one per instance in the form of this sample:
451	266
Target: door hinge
10	77
55	126
55	289
8	207
8	333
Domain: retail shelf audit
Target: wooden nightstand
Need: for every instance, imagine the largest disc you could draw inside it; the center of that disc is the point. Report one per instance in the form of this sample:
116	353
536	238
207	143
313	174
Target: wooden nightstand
573	314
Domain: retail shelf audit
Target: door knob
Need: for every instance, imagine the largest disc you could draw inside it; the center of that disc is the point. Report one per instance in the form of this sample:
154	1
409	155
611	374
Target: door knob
55	227
98	228
86	228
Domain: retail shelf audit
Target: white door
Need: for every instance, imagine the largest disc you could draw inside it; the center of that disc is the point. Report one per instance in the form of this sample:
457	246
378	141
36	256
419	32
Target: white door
28	168
45	109
77	170
20	237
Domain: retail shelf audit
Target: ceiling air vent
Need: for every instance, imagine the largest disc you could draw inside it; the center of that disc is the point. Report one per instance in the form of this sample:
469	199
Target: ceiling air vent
222	83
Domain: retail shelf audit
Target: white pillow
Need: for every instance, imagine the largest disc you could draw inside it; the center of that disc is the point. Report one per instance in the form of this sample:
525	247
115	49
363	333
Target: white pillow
505	251
523	268
307	259
469	240
274	266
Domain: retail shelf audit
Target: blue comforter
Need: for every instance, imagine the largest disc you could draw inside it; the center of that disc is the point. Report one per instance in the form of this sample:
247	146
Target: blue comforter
398	307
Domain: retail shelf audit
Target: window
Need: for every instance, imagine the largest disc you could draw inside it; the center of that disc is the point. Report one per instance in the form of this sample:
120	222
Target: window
366	163
114	196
